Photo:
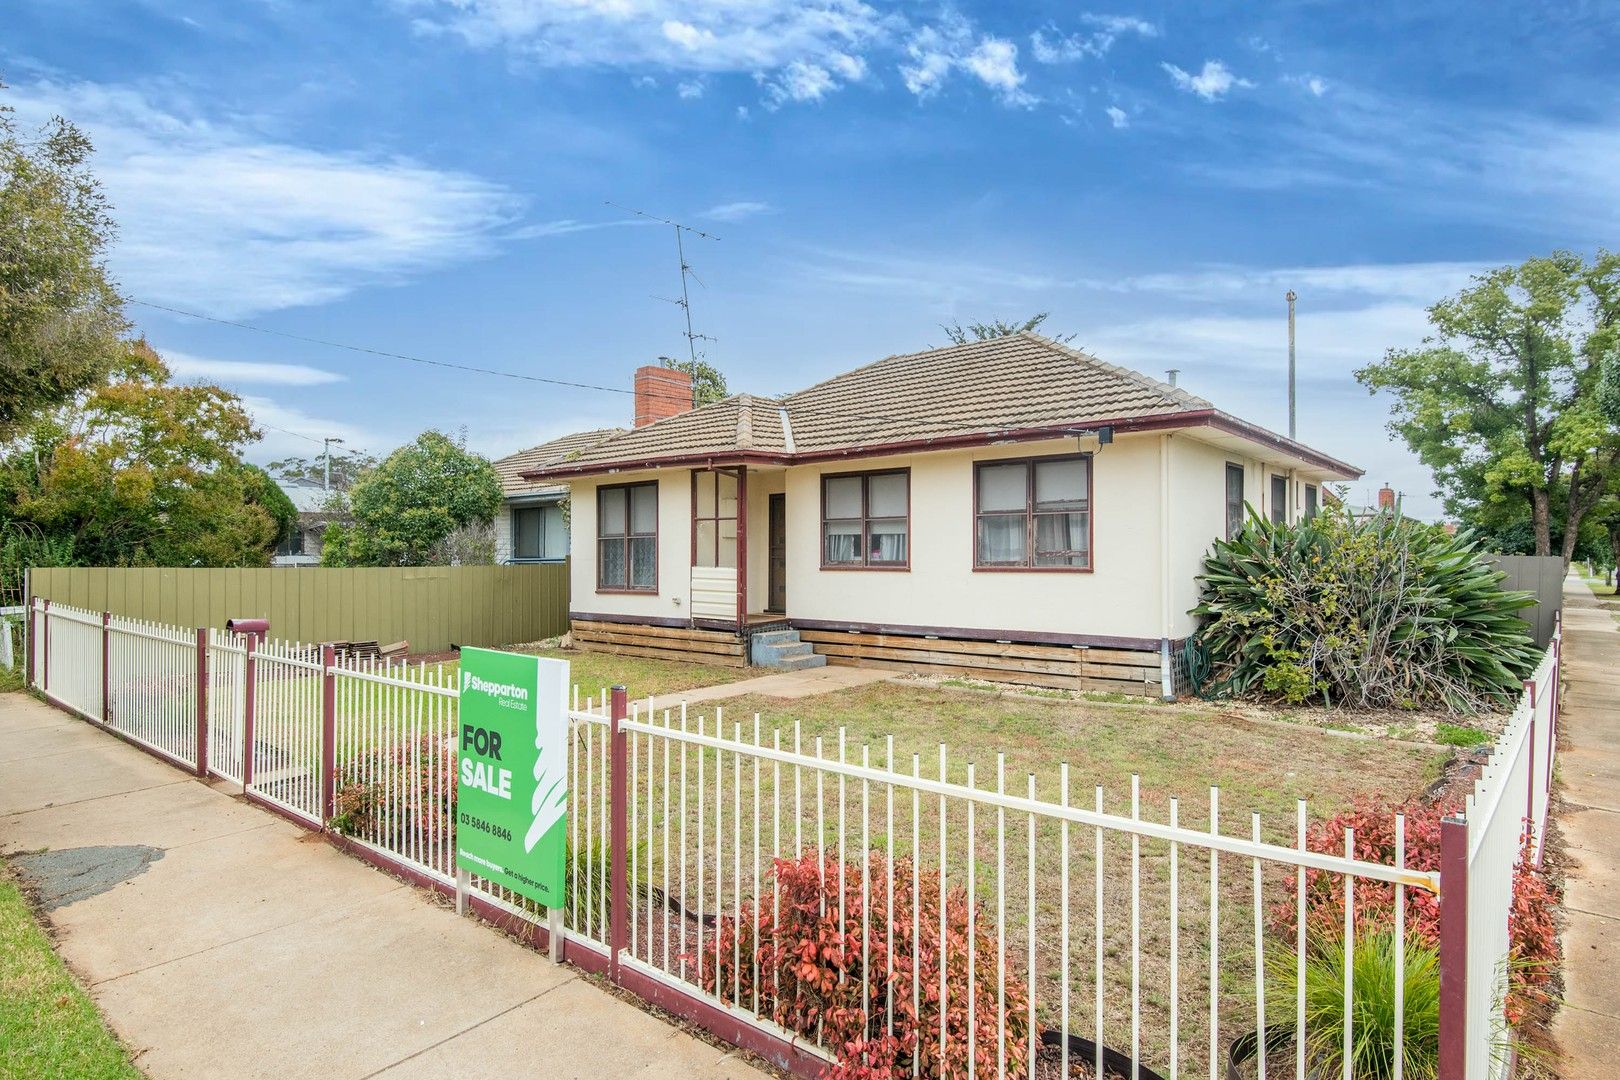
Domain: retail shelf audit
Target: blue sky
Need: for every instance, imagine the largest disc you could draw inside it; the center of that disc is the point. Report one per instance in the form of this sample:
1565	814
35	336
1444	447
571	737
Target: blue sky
429	177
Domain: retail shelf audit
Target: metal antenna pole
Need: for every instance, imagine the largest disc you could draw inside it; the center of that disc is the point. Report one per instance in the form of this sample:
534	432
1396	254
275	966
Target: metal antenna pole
685	302
1291	299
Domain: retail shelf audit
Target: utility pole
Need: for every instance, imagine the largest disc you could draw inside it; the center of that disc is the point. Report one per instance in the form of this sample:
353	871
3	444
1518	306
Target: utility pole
1291	299
326	454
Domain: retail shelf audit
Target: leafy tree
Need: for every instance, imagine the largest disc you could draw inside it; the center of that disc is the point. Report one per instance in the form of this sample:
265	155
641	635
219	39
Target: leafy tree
311	471
262	490
1502	403
141	472
61	320
413	503
996	328
708	384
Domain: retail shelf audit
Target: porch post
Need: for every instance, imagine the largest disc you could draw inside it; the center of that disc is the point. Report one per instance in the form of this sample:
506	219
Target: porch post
742	549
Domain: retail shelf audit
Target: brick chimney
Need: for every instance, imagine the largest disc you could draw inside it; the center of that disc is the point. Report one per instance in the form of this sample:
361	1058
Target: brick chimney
1386	498
661	392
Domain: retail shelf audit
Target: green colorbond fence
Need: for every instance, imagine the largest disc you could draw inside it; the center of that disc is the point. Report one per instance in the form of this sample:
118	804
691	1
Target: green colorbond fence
429	606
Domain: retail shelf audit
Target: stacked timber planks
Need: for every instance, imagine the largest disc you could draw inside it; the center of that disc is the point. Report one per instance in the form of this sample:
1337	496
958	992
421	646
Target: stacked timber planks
1064	667
719	648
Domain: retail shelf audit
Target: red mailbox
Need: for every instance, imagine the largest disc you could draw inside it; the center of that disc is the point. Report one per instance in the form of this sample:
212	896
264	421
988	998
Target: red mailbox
254	628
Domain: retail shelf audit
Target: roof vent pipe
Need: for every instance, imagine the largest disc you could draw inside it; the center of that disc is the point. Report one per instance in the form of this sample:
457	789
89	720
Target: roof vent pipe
1170	376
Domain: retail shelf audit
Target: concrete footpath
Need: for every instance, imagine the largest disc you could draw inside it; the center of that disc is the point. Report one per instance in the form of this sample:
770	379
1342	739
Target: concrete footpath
1588	1025
221	940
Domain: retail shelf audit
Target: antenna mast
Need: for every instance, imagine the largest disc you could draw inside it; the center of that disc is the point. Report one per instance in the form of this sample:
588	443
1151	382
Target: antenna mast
685	302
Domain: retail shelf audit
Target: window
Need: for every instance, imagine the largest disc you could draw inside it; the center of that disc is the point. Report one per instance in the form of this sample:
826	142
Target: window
866	520
1279	500
1310	501
627	538
1234	500
714	519
1032	514
539	533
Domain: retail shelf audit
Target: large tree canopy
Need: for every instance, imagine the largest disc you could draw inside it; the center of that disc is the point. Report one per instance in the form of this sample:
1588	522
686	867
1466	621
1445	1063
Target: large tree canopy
61	320
1502	401
141	472
409	506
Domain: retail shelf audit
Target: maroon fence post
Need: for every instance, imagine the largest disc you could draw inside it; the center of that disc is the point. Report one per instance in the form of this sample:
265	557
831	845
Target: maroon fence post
1453	1064
328	734
106	664
30	636
249	678
619	809
202	701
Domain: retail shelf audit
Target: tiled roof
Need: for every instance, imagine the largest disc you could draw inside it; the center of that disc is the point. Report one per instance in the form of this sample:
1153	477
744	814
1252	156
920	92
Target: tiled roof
512	467
1005	383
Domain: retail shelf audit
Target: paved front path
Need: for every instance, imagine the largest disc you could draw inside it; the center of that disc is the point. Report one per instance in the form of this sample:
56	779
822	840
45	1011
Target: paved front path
783	684
222	941
1588	1024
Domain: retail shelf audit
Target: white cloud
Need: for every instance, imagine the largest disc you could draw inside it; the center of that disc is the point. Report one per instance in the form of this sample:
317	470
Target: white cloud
801	81
742	112
1316	85
995	62
934	52
736	211
564	226
187	367
1117	117
644	82
1051	46
213	215
763	36
690	91
1211	84
289	431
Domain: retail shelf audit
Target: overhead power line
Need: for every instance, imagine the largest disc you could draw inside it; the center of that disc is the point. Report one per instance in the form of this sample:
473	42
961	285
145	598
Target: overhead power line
802	410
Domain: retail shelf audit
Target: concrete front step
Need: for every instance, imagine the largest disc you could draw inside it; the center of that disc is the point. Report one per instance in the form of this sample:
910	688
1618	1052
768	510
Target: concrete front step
783	650
801	663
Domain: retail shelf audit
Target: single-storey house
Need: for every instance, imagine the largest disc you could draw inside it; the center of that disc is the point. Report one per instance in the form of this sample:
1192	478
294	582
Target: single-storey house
315	513
532	525
1009	509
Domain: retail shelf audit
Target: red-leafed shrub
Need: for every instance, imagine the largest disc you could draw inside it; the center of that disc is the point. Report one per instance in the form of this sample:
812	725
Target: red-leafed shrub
397	794
812	969
1532	935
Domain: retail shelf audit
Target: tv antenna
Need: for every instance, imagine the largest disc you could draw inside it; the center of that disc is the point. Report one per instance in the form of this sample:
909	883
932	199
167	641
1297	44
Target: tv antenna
685	300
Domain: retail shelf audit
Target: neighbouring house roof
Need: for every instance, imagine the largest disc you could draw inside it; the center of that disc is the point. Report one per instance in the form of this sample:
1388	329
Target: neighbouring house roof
1020	386
511	469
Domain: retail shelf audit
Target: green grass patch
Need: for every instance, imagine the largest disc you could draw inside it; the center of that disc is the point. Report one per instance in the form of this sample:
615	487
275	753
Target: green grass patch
1458	735
594	672
10	680
48	1025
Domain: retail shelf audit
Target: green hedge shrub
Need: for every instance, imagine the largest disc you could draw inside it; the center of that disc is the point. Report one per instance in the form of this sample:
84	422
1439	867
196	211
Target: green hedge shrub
1383	613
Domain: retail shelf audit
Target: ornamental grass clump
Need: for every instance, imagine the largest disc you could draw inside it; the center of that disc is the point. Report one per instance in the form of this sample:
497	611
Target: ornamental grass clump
1386	613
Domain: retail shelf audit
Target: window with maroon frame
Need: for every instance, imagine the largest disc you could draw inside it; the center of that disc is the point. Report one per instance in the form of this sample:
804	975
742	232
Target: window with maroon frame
1033	514
627	538
866	520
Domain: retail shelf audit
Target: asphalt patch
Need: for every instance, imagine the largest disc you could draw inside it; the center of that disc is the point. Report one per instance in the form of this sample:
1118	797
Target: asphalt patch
64	877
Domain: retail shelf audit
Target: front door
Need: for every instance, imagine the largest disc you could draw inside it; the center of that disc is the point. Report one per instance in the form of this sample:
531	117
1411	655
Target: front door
777	584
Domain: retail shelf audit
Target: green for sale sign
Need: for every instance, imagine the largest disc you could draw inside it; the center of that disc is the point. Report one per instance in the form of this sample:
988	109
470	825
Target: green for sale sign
512	772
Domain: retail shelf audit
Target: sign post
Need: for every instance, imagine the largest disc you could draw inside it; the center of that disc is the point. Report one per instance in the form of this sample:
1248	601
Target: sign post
512	777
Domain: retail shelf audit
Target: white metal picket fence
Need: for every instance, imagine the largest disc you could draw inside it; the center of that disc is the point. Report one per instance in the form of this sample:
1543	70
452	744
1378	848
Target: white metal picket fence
1094	920
1504	820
